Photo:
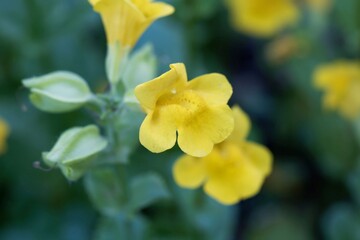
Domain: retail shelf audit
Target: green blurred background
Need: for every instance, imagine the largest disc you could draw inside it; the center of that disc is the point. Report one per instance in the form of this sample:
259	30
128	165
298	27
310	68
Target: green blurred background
314	190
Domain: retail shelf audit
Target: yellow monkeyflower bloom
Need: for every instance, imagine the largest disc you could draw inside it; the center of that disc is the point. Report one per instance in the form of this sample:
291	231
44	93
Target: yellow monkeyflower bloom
126	20
195	112
233	171
263	18
340	81
4	132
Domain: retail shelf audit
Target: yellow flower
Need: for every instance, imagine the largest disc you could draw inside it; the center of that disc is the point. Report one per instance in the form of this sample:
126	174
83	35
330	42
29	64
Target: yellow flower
340	81
263	18
4	132
126	20
195	112
233	171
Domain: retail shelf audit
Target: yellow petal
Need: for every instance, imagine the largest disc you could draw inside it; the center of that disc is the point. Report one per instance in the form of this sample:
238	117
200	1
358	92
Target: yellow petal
232	176
4	132
197	136
261	18
189	172
126	20
241	127
259	156
148	93
159	9
94	2
123	21
158	130
223	190
214	88
350	106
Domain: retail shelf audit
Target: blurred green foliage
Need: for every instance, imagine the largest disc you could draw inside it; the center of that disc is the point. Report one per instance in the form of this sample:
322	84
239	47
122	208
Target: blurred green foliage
313	193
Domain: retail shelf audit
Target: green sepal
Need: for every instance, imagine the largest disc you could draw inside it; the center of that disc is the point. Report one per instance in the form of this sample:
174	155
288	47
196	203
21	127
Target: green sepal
58	92
116	61
142	67
75	150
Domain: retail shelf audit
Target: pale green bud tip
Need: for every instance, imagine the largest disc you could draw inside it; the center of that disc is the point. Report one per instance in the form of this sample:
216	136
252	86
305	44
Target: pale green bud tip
75	150
58	92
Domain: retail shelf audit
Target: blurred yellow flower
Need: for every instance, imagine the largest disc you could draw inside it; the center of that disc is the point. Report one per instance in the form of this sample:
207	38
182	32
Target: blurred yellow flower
263	18
126	20
340	81
4	132
195	112
233	171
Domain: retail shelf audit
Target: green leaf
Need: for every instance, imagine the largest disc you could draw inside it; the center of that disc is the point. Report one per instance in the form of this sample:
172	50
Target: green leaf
146	190
121	228
105	191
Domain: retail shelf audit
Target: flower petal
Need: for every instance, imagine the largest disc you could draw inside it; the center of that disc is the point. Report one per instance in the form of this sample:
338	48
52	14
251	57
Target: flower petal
189	172
158	130
232	176
259	156
148	93
241	127
122	20
158	10
223	190
214	88
198	136
4	132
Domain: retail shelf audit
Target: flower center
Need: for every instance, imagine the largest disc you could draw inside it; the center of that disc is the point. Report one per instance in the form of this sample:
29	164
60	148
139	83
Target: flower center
190	103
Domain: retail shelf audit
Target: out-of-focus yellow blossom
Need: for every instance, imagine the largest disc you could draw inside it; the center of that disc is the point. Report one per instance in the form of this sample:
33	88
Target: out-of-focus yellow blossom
319	5
263	18
4	132
340	81
233	171
126	20
194	112
282	48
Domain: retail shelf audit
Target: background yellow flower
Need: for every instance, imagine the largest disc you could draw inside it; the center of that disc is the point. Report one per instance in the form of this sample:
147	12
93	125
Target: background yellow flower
263	18
4	132
340	81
